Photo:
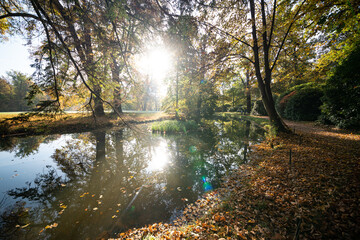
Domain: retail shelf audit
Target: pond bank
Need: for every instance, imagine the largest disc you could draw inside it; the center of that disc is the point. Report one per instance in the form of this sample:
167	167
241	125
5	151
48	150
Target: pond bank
11	125
315	195
104	182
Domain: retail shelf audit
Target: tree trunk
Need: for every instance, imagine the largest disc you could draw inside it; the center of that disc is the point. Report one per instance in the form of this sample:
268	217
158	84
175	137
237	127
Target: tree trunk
117	99
248	94
202	76
177	93
264	83
98	103
198	106
115	72
269	105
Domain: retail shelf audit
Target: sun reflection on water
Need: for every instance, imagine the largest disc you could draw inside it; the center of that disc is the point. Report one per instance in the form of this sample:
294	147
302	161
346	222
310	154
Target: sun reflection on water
159	157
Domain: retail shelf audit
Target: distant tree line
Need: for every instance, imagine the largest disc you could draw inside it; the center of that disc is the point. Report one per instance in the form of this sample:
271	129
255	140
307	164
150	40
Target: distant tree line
13	92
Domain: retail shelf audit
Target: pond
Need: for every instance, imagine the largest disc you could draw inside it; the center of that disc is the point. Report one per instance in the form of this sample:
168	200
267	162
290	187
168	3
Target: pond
88	185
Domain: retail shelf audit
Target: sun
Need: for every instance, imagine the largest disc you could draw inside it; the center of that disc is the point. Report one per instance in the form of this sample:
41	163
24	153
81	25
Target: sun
156	63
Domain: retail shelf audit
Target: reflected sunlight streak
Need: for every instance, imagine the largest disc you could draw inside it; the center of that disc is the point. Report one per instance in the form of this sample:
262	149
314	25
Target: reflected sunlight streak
160	157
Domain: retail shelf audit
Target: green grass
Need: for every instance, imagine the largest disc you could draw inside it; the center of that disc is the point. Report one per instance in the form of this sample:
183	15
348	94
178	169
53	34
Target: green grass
174	126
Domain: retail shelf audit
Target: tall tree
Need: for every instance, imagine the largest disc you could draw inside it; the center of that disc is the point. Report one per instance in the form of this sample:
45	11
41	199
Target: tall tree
6	93
21	85
262	32
88	34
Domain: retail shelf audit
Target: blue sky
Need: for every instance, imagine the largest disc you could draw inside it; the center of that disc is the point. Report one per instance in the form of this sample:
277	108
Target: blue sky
15	56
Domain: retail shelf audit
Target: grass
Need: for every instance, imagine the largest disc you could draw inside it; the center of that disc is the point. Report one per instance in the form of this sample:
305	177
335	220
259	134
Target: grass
174	126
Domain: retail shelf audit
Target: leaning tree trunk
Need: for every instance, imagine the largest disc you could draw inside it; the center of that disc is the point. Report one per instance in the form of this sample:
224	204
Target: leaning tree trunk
269	105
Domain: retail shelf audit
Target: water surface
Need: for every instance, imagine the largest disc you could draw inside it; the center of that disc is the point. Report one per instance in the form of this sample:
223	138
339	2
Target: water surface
97	184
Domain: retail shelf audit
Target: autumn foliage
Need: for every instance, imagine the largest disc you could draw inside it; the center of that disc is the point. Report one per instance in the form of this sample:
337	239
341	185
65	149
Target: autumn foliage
315	195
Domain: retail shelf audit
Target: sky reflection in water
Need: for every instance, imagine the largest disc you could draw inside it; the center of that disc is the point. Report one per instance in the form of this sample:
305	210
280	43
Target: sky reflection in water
97	183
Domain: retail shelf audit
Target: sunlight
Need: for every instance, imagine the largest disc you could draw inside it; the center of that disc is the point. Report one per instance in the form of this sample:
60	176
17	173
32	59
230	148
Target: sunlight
156	63
160	157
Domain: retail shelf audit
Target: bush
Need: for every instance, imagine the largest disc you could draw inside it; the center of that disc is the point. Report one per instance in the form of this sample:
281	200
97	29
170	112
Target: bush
301	103
342	93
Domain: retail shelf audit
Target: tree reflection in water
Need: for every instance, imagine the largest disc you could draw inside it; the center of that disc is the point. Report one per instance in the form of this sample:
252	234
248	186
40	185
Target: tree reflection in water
23	147
112	181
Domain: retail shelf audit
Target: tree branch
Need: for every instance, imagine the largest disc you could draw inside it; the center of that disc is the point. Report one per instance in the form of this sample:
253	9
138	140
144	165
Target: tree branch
25	15
272	22
286	34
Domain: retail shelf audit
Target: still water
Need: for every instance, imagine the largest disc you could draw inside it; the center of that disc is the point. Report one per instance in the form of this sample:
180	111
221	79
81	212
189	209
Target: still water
97	184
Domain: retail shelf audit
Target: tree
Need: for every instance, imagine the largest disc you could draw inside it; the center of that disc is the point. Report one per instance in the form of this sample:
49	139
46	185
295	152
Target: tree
14	92
263	34
335	27
6	93
341	92
21	85
86	36
186	92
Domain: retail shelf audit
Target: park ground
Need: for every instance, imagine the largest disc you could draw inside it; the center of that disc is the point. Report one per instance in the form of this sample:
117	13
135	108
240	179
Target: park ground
13	124
315	195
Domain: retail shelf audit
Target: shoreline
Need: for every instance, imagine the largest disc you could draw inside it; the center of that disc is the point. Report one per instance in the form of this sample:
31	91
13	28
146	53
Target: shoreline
313	196
73	123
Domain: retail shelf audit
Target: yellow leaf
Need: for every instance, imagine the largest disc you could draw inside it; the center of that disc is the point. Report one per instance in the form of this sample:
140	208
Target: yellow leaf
63	206
25	225
54	225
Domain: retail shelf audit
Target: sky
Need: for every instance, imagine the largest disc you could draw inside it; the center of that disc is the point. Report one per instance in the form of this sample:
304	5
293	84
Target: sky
15	56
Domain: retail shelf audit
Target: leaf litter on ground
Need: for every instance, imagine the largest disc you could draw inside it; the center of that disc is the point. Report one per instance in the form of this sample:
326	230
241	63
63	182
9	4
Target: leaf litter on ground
313	196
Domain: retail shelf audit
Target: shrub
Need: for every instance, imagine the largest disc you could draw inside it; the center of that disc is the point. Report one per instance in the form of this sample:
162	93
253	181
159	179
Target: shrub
301	102
342	93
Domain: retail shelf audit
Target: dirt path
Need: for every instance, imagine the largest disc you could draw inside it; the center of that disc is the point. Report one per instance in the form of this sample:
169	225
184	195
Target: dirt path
326	131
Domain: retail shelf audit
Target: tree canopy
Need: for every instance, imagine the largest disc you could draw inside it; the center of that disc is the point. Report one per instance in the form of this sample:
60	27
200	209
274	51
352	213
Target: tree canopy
226	55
